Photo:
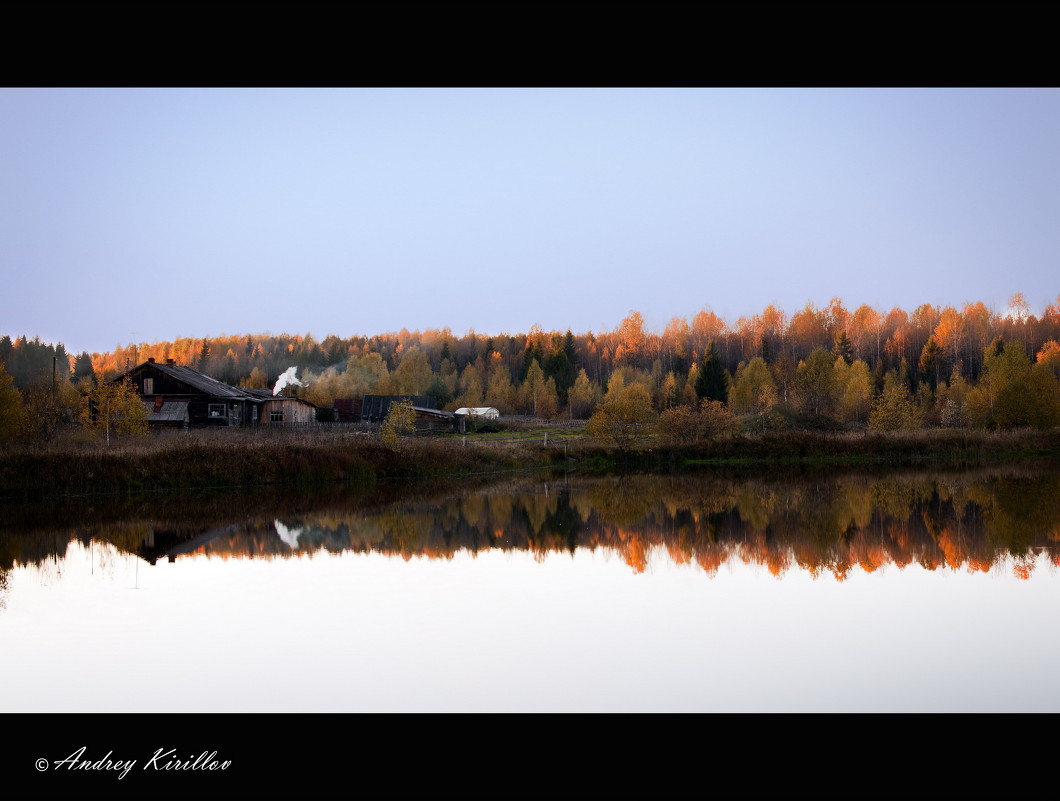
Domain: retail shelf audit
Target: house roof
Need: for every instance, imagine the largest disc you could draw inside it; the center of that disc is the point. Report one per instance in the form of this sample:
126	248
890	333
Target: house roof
171	412
211	386
425	412
200	381
196	380
265	395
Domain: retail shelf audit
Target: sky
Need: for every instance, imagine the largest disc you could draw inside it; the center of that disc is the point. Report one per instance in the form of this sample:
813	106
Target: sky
132	215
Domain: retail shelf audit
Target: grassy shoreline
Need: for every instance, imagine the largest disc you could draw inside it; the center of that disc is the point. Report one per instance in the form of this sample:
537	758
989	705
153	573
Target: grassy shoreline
948	448
229	459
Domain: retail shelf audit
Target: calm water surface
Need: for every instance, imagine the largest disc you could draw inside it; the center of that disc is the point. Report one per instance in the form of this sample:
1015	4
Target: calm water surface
911	591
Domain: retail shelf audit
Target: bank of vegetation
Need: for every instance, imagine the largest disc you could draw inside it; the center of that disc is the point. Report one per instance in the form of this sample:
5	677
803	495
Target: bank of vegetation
220	458
229	458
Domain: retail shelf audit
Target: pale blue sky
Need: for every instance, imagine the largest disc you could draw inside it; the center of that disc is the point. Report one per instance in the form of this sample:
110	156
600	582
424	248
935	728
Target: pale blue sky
136	215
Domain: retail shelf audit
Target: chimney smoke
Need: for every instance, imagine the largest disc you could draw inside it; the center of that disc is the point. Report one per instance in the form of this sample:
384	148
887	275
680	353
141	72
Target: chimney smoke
286	379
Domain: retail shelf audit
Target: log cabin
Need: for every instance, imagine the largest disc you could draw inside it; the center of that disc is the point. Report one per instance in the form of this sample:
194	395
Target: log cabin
179	396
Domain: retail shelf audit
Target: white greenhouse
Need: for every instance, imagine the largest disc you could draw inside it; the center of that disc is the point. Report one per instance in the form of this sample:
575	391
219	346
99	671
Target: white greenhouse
485	412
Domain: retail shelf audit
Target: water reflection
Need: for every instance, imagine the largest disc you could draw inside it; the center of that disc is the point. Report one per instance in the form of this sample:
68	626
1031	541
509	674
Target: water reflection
826	525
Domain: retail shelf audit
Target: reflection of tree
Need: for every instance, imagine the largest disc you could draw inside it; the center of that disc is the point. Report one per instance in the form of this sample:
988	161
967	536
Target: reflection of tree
1023	568
823	525
565	524
626	501
1021	509
756	504
635	554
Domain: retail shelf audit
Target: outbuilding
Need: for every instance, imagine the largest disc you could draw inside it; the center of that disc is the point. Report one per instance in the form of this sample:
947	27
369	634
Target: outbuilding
278	410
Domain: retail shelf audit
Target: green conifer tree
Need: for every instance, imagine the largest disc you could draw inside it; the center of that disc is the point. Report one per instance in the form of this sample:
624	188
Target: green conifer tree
712	382
843	348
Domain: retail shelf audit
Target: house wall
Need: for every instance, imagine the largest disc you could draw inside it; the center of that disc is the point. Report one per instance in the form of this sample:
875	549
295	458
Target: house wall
347	410
161	384
217	412
291	409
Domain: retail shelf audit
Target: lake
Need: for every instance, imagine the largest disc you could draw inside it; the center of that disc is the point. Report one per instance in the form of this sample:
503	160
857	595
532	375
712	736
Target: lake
884	591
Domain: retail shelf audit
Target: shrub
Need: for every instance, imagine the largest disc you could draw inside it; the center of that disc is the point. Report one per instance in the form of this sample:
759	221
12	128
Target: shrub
400	419
684	425
894	409
624	419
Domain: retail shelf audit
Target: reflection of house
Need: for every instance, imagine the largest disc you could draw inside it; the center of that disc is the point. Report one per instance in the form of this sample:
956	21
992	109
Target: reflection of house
161	543
178	396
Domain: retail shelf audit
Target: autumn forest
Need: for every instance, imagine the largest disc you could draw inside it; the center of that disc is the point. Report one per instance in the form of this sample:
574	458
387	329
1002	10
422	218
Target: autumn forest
817	367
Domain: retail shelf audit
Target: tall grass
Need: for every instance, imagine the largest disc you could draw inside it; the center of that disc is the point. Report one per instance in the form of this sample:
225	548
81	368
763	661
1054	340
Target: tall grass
199	459
949	447
235	457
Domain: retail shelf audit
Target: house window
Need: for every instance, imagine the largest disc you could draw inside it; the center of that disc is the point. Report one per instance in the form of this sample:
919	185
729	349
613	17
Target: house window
276	416
254	413
149	386
217	410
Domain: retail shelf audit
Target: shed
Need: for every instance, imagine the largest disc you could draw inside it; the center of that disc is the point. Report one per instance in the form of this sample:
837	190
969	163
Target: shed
376	407
281	410
347	410
432	419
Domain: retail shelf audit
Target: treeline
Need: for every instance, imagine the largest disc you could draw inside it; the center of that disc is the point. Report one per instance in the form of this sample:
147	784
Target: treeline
934	366
30	362
771	359
39	388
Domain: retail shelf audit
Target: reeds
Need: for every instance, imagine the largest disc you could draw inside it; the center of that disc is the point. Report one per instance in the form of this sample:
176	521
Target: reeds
237	458
224	458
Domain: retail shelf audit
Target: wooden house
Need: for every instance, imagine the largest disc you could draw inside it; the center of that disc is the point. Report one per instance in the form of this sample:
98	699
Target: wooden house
180	396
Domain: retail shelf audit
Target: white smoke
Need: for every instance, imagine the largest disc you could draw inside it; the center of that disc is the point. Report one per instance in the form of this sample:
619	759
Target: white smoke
287	379
288	535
